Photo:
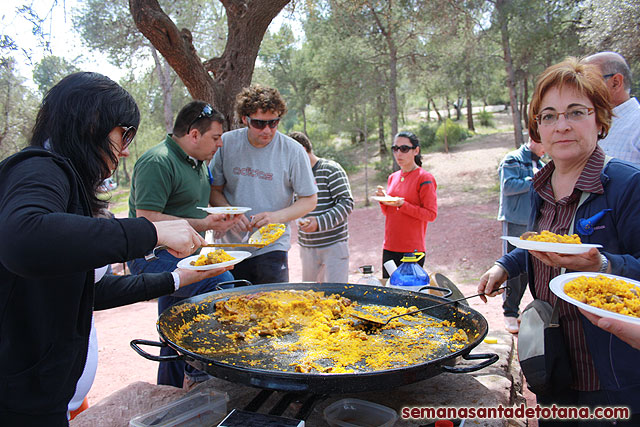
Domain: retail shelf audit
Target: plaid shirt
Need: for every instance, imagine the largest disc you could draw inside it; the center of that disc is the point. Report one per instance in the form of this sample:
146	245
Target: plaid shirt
623	140
556	216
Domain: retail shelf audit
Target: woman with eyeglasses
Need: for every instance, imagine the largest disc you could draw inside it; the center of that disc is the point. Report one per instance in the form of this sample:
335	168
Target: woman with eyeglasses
569	112
52	245
413	203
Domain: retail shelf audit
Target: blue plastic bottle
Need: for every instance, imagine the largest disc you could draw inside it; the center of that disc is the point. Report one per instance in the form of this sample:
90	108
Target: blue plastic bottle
410	276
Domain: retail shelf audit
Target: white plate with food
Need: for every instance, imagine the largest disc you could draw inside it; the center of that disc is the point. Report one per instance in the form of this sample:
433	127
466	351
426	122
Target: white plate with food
188	263
561	248
387	198
231	210
268	234
598	289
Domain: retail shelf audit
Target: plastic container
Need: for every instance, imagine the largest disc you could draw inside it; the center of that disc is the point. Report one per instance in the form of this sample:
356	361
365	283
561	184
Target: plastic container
409	275
359	413
367	277
200	409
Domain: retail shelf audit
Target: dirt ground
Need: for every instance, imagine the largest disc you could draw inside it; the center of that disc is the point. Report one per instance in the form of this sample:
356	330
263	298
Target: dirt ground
461	244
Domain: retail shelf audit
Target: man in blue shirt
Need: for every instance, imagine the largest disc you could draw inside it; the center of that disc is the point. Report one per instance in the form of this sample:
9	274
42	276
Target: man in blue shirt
516	173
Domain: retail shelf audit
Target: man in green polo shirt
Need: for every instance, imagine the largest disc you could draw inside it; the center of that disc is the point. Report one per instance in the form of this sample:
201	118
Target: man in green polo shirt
171	180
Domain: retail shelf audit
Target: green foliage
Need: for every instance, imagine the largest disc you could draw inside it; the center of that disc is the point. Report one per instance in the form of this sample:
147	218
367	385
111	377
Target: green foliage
426	133
18	105
384	168
486	119
50	70
455	133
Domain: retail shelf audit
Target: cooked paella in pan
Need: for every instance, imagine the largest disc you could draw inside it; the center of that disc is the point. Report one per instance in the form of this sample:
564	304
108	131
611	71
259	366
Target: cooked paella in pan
308	331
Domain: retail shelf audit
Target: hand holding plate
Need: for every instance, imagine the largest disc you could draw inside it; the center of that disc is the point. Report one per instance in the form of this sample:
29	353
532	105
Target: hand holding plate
587	261
625	331
188	277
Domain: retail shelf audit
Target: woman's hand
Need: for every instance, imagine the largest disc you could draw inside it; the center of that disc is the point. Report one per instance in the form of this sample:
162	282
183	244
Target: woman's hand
490	281
179	237
588	261
627	332
394	203
188	277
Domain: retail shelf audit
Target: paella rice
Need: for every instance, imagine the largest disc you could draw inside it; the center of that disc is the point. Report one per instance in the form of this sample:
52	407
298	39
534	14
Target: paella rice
607	293
213	257
269	233
318	332
547	236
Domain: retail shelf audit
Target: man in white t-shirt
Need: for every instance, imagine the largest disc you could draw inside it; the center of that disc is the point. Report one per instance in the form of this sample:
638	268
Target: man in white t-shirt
260	168
623	140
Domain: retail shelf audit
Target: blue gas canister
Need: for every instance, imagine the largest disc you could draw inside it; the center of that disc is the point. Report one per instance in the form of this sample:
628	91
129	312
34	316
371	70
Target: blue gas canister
410	276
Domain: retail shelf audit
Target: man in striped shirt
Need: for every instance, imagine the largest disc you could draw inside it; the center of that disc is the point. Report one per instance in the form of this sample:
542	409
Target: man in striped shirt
323	234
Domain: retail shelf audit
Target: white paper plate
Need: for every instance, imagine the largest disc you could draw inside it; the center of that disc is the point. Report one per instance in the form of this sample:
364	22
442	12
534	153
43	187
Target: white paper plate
256	237
557	287
237	255
387	198
232	210
561	248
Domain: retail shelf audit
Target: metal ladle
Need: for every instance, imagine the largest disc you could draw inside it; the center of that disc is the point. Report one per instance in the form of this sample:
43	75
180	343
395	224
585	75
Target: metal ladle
380	323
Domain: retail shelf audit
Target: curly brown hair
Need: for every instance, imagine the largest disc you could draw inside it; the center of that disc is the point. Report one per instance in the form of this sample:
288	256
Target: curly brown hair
584	78
257	97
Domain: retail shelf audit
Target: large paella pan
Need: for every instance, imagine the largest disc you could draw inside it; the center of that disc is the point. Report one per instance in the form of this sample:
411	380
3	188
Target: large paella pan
236	348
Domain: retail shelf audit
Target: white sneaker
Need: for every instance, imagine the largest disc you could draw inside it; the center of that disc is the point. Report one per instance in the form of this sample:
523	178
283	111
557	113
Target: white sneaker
511	325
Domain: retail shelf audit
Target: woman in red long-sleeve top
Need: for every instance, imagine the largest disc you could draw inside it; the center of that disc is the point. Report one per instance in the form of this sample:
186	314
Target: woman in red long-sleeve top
406	219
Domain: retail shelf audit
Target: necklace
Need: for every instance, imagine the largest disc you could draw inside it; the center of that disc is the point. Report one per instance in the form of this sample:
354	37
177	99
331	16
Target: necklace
403	174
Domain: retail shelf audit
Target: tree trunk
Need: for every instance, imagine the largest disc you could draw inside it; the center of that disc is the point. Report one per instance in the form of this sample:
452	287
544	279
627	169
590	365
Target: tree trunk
435	108
470	112
446	101
304	119
508	63
393	81
526	103
382	144
164	78
216	80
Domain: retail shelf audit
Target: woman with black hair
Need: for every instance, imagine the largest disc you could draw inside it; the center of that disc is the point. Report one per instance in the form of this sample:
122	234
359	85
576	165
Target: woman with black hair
51	242
414	204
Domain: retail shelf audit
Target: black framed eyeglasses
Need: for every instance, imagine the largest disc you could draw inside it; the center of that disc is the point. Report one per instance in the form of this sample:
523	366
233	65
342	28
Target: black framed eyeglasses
207	111
606	76
261	124
127	136
402	148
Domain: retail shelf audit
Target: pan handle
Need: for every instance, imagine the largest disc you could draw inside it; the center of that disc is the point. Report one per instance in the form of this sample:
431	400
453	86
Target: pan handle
447	291
491	359
135	344
235	283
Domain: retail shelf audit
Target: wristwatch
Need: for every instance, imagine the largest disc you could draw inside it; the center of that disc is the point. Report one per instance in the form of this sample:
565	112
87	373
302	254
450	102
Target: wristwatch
605	264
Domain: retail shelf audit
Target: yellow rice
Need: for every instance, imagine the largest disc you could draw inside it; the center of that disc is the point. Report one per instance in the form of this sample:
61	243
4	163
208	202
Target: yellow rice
603	292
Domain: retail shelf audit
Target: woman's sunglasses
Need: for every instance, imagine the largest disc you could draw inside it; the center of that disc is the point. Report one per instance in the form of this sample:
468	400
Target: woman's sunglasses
402	148
261	124
127	136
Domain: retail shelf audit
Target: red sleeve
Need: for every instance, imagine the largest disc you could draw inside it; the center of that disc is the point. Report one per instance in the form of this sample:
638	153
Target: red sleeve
428	211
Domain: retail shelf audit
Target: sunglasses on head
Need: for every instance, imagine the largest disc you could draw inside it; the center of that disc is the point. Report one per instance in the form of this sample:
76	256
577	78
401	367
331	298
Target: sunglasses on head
207	111
402	148
127	136
261	124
